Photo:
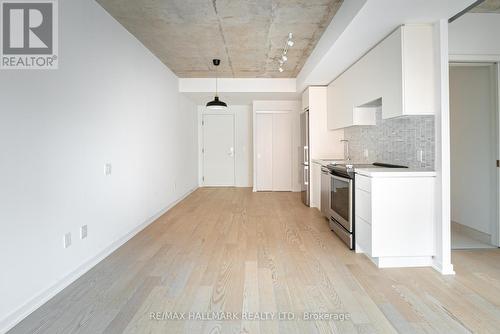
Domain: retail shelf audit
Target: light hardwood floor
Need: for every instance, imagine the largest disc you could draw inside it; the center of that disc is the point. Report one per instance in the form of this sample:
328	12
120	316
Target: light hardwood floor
236	251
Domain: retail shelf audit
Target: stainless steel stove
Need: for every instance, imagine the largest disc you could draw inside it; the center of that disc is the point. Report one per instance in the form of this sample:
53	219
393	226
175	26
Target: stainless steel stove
341	199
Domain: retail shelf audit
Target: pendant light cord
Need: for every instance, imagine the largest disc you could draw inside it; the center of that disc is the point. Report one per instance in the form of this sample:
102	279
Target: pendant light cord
216	82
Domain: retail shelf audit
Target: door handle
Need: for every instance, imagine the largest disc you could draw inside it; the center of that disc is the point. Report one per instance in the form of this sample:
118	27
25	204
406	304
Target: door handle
306	154
231	152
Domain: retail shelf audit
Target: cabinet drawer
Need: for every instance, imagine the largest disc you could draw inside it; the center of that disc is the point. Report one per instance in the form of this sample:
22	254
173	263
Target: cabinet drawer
364	235
363	205
363	183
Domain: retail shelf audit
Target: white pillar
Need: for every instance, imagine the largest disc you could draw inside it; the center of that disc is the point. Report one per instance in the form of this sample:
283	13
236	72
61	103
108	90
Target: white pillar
442	259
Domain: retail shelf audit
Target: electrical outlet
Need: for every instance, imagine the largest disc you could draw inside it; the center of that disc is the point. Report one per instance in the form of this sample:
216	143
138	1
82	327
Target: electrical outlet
107	169
83	232
365	153
67	240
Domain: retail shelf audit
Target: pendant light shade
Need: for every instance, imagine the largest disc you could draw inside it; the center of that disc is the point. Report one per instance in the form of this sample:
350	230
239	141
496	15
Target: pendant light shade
216	104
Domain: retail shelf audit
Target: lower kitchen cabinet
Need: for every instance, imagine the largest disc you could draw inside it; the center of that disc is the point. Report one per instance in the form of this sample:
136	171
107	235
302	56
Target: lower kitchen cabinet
394	218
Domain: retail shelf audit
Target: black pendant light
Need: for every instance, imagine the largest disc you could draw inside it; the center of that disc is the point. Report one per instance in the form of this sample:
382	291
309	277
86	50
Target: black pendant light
216	103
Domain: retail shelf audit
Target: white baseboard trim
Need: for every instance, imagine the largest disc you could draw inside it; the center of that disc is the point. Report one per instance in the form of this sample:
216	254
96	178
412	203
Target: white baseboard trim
398	261
443	270
18	315
404	261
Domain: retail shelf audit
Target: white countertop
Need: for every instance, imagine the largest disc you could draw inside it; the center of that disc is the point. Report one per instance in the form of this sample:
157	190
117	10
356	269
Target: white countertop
394	172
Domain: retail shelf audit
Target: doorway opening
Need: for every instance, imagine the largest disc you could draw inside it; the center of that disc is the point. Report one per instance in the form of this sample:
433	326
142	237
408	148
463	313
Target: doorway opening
474	142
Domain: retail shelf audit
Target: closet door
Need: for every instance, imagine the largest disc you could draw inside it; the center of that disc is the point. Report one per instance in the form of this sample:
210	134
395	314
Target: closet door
282	152
264	152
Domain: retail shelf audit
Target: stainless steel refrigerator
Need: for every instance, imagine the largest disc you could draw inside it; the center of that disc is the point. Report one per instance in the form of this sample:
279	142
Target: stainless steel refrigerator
305	163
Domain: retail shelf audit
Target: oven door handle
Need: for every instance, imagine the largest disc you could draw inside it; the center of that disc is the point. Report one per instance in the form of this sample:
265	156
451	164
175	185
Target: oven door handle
341	178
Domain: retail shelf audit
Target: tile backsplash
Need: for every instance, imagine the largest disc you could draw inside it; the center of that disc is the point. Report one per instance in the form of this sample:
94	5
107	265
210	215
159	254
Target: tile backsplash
396	140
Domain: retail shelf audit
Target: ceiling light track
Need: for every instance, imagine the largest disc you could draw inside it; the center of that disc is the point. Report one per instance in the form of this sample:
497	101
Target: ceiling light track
284	58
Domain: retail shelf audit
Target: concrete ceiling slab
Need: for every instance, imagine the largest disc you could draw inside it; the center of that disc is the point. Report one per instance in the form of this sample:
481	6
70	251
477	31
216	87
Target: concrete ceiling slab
247	35
489	6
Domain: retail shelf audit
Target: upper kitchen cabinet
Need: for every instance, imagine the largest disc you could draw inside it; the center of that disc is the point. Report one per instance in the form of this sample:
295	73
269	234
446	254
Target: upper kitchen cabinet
397	75
408	72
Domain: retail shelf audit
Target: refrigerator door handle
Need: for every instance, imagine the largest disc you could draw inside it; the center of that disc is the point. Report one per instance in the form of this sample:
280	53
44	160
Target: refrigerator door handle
306	175
306	155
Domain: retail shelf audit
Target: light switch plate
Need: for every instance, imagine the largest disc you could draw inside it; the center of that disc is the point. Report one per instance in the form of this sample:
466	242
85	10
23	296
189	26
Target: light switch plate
83	232
108	169
420	156
67	240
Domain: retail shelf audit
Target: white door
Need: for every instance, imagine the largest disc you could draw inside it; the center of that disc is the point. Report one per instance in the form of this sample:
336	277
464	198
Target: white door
282	152
218	150
264	152
273	140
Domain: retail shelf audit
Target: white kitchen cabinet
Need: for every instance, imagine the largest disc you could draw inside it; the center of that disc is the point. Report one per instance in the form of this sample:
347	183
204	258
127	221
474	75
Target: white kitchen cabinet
397	75
273	140
394	218
347	96
323	142
408	72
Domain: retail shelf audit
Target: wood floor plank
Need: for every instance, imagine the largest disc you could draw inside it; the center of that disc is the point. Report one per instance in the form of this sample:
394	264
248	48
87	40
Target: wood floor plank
232	250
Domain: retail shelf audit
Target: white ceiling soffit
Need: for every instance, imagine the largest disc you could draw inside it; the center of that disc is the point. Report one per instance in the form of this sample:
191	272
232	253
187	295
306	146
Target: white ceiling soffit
245	85
361	24
234	99
239	90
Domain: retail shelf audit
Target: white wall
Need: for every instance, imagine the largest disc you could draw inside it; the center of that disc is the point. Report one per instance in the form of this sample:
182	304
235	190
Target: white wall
475	34
243	151
110	101
473	148
294	107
